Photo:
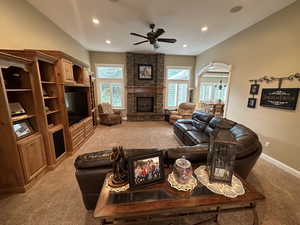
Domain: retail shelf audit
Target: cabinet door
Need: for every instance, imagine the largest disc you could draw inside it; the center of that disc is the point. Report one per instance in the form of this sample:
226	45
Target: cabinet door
68	71
33	158
86	78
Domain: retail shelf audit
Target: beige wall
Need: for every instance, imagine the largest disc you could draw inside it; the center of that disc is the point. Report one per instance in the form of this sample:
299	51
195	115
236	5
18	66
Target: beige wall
182	60
24	27
270	47
107	58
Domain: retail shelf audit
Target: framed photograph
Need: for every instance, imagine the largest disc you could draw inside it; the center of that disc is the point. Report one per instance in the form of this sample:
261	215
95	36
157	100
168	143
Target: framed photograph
251	102
146	169
16	109
254	89
22	129
145	72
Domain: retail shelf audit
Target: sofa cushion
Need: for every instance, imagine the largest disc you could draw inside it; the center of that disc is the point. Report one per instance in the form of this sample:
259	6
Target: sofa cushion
208	130
214	122
184	126
197	137
239	130
202	116
199	125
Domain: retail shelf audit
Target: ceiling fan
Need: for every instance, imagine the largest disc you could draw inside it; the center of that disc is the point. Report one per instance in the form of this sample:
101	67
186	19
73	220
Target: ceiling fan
153	37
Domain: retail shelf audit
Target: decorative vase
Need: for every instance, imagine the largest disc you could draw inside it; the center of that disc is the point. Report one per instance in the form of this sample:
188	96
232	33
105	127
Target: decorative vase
183	170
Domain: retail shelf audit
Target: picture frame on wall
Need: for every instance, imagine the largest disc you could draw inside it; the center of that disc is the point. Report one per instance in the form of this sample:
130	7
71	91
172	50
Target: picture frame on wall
146	169
254	89
252	102
22	129
145	72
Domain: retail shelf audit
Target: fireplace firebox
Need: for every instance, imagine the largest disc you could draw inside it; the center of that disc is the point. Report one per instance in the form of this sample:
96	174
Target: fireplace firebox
145	104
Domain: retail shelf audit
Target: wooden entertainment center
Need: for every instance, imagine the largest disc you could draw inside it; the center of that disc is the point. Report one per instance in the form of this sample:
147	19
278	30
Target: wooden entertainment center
47	112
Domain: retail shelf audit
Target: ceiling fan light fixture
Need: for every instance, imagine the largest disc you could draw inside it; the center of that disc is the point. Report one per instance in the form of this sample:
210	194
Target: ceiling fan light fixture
95	21
205	28
153	37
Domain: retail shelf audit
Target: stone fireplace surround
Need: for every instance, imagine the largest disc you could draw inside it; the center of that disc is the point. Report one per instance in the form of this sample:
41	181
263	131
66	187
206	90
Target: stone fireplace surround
145	88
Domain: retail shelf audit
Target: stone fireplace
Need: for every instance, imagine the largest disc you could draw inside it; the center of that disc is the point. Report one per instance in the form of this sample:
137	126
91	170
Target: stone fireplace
145	97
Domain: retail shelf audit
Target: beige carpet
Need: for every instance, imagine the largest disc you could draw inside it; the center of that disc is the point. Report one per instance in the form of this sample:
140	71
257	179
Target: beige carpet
56	199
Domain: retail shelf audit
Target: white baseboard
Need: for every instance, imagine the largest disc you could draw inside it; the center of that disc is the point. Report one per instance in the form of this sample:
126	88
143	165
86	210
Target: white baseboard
281	165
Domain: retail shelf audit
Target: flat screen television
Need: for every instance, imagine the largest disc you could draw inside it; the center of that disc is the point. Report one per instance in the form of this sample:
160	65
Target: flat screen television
77	106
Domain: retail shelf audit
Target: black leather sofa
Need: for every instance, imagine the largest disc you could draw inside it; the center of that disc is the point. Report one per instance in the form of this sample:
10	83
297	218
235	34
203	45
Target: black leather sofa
91	168
196	131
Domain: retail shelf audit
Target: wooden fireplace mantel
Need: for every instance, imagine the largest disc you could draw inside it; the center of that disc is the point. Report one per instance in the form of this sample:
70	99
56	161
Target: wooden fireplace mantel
144	89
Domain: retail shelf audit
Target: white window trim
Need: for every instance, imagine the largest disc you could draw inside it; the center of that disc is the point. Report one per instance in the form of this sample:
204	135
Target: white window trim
120	80
177	82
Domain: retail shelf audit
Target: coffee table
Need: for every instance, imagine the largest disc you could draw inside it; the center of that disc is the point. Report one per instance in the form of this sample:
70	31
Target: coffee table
161	202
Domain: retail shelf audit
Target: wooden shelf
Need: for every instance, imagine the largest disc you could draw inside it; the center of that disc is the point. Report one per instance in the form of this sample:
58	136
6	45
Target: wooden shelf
48	82
24	139
18	90
52	111
76	85
50	97
22	117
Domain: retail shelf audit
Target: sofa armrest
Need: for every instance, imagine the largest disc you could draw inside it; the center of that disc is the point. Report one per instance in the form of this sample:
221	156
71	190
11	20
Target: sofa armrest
103	115
173	113
117	111
186	121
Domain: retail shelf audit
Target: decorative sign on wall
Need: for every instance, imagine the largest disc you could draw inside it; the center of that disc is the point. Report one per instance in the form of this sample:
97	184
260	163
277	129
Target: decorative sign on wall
283	98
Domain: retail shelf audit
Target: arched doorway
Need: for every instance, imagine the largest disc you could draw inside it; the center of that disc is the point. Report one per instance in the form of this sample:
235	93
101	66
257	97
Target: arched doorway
213	85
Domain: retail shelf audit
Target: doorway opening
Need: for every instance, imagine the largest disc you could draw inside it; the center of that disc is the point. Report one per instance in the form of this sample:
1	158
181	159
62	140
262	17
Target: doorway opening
213	86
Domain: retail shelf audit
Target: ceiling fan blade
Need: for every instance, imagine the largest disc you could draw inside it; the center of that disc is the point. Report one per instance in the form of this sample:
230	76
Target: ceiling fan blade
139	35
141	42
168	40
159	32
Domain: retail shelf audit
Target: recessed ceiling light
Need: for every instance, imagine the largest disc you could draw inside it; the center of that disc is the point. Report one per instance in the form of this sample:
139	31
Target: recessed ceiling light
185	45
236	9
204	28
108	42
95	21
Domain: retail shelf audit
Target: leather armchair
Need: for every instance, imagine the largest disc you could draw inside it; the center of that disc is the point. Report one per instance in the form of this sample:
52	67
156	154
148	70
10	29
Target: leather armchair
185	111
108	116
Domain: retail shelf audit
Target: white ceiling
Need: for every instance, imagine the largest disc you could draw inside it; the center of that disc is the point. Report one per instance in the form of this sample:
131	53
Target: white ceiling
182	19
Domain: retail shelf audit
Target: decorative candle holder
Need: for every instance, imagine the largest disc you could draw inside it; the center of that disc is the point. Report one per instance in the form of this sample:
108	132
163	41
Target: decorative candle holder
183	170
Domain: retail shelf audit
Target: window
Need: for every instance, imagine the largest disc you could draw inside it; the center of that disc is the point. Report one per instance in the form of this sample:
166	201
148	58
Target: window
110	82
211	92
177	86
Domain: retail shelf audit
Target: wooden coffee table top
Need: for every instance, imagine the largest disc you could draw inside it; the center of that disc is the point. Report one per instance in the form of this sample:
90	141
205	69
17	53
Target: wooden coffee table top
162	197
